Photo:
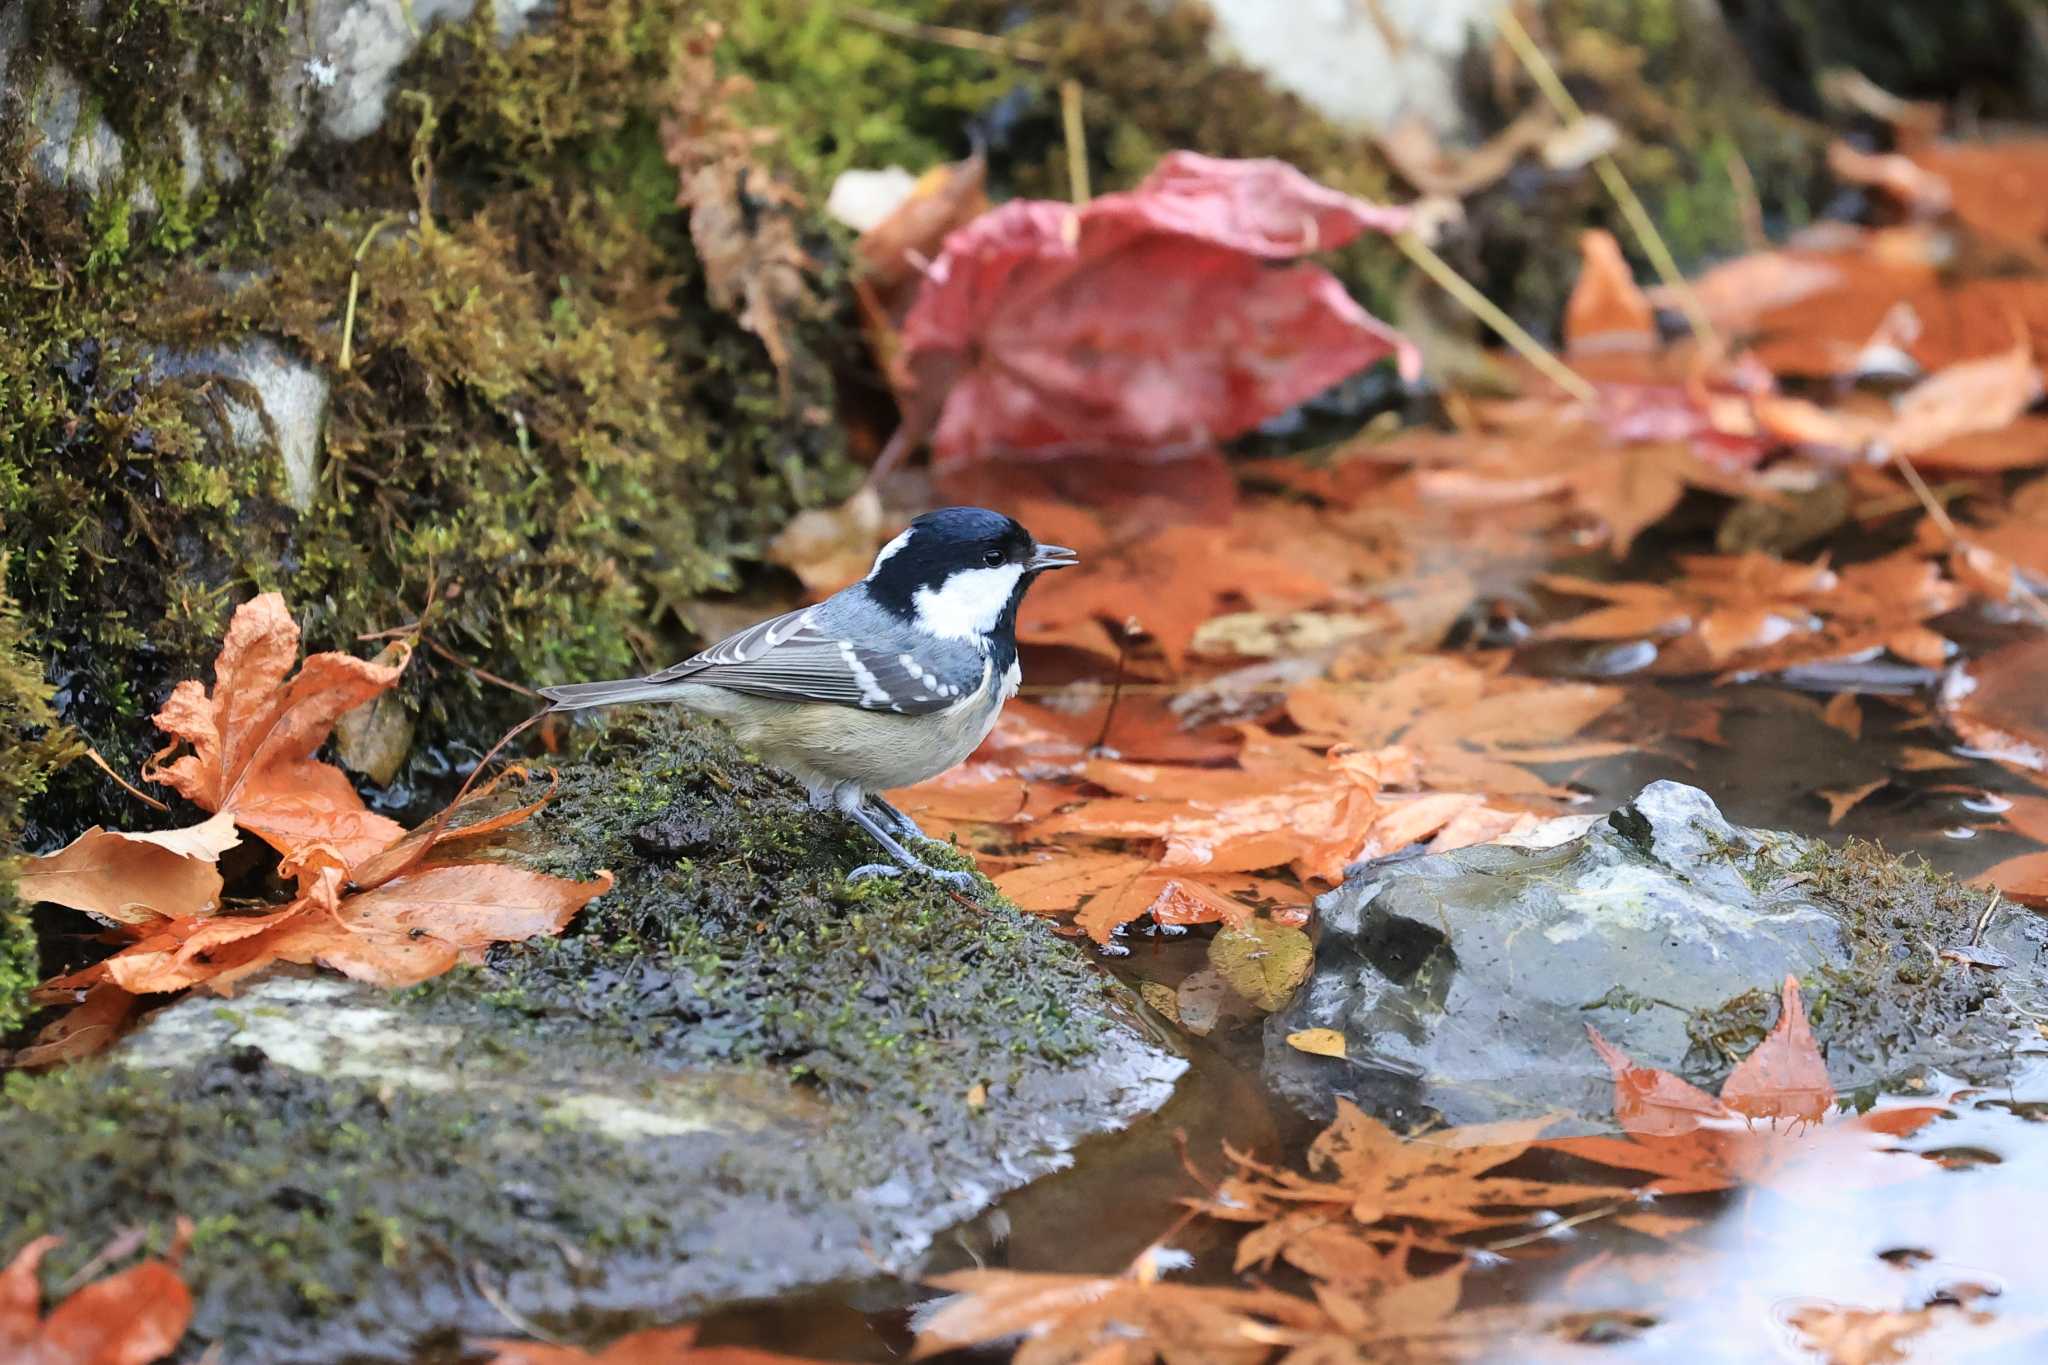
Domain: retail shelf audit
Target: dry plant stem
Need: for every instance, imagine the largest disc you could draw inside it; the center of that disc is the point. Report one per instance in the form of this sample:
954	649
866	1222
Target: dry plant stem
126	785
1510	331
496	1300
1016	49
1550	1230
1077	142
1652	242
1939	515
355	284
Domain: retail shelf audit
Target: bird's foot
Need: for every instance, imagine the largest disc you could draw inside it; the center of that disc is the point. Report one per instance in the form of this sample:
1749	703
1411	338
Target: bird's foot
959	881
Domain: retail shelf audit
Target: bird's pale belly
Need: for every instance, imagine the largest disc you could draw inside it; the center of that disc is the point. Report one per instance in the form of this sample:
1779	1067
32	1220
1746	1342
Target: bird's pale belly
828	747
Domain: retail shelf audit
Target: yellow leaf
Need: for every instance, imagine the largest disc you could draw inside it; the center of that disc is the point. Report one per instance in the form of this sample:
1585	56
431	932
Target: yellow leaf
1323	1042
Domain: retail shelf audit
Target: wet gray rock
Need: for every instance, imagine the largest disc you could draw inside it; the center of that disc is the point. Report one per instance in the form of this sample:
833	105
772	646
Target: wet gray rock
1464	982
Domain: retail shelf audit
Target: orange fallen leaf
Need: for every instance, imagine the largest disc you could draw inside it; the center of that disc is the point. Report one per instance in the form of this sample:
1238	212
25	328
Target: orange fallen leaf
1606	310
1844	713
133	1317
1776	1109
1169	584
253	736
88	1026
134	879
1968	397
1842	801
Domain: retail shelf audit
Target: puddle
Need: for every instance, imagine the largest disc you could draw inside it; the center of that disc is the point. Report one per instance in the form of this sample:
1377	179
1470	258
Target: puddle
1963	1232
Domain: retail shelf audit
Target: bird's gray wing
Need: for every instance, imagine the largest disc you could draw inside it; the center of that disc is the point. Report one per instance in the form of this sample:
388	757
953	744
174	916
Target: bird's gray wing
796	657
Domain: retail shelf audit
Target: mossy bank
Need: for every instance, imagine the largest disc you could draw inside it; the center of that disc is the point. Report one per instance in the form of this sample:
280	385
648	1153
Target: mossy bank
733	1077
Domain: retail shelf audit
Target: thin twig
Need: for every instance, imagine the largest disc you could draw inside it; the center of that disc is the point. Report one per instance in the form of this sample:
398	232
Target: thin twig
1116	687
1645	231
497	1301
1016	49
1550	1230
1077	141
1510	331
478	670
126	785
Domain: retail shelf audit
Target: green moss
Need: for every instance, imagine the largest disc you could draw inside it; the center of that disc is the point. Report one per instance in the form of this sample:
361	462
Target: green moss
546	435
32	744
733	936
1893	995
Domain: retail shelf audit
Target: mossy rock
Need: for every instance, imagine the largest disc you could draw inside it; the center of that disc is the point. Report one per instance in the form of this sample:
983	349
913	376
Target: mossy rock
733	1077
1464	982
529	426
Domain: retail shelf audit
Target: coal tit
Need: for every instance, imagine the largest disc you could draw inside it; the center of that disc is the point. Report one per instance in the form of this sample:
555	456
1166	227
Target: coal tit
883	684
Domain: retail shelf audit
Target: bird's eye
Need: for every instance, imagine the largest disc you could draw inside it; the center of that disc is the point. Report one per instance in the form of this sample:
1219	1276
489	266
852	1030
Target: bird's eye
992	558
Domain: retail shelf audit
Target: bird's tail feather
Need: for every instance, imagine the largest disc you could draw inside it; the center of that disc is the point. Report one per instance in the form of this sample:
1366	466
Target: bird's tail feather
582	696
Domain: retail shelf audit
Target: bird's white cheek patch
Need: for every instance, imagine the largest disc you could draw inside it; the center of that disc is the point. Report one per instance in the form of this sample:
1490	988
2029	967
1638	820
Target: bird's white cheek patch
966	606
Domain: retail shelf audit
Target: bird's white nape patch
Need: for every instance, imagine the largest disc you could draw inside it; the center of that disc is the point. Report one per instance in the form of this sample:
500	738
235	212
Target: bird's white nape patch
967	605
882	555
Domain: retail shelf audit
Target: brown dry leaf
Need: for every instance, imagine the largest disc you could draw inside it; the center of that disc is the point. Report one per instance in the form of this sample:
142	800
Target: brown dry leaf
743	220
426	922
1754	612
134	879
1075	1318
1842	801
1993	188
1607	311
1968	397
1844	713
2024	878
830	547
398	934
133	1317
253	736
88	1026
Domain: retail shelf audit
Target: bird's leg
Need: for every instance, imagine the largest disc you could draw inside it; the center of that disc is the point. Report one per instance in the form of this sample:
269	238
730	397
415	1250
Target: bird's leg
963	881
904	824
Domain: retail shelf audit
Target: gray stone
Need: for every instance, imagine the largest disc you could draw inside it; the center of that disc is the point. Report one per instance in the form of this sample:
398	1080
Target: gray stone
273	403
1361	65
1464	982
335	73
348	64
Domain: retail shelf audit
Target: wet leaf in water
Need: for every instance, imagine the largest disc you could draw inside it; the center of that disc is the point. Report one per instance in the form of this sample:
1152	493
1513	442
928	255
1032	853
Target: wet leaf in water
1263	962
1320	1042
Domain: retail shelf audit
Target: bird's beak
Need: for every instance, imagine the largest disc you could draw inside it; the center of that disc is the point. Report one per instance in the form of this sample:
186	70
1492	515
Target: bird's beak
1051	557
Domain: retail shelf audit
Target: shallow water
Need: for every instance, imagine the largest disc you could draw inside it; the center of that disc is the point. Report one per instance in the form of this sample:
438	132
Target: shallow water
1967	1227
